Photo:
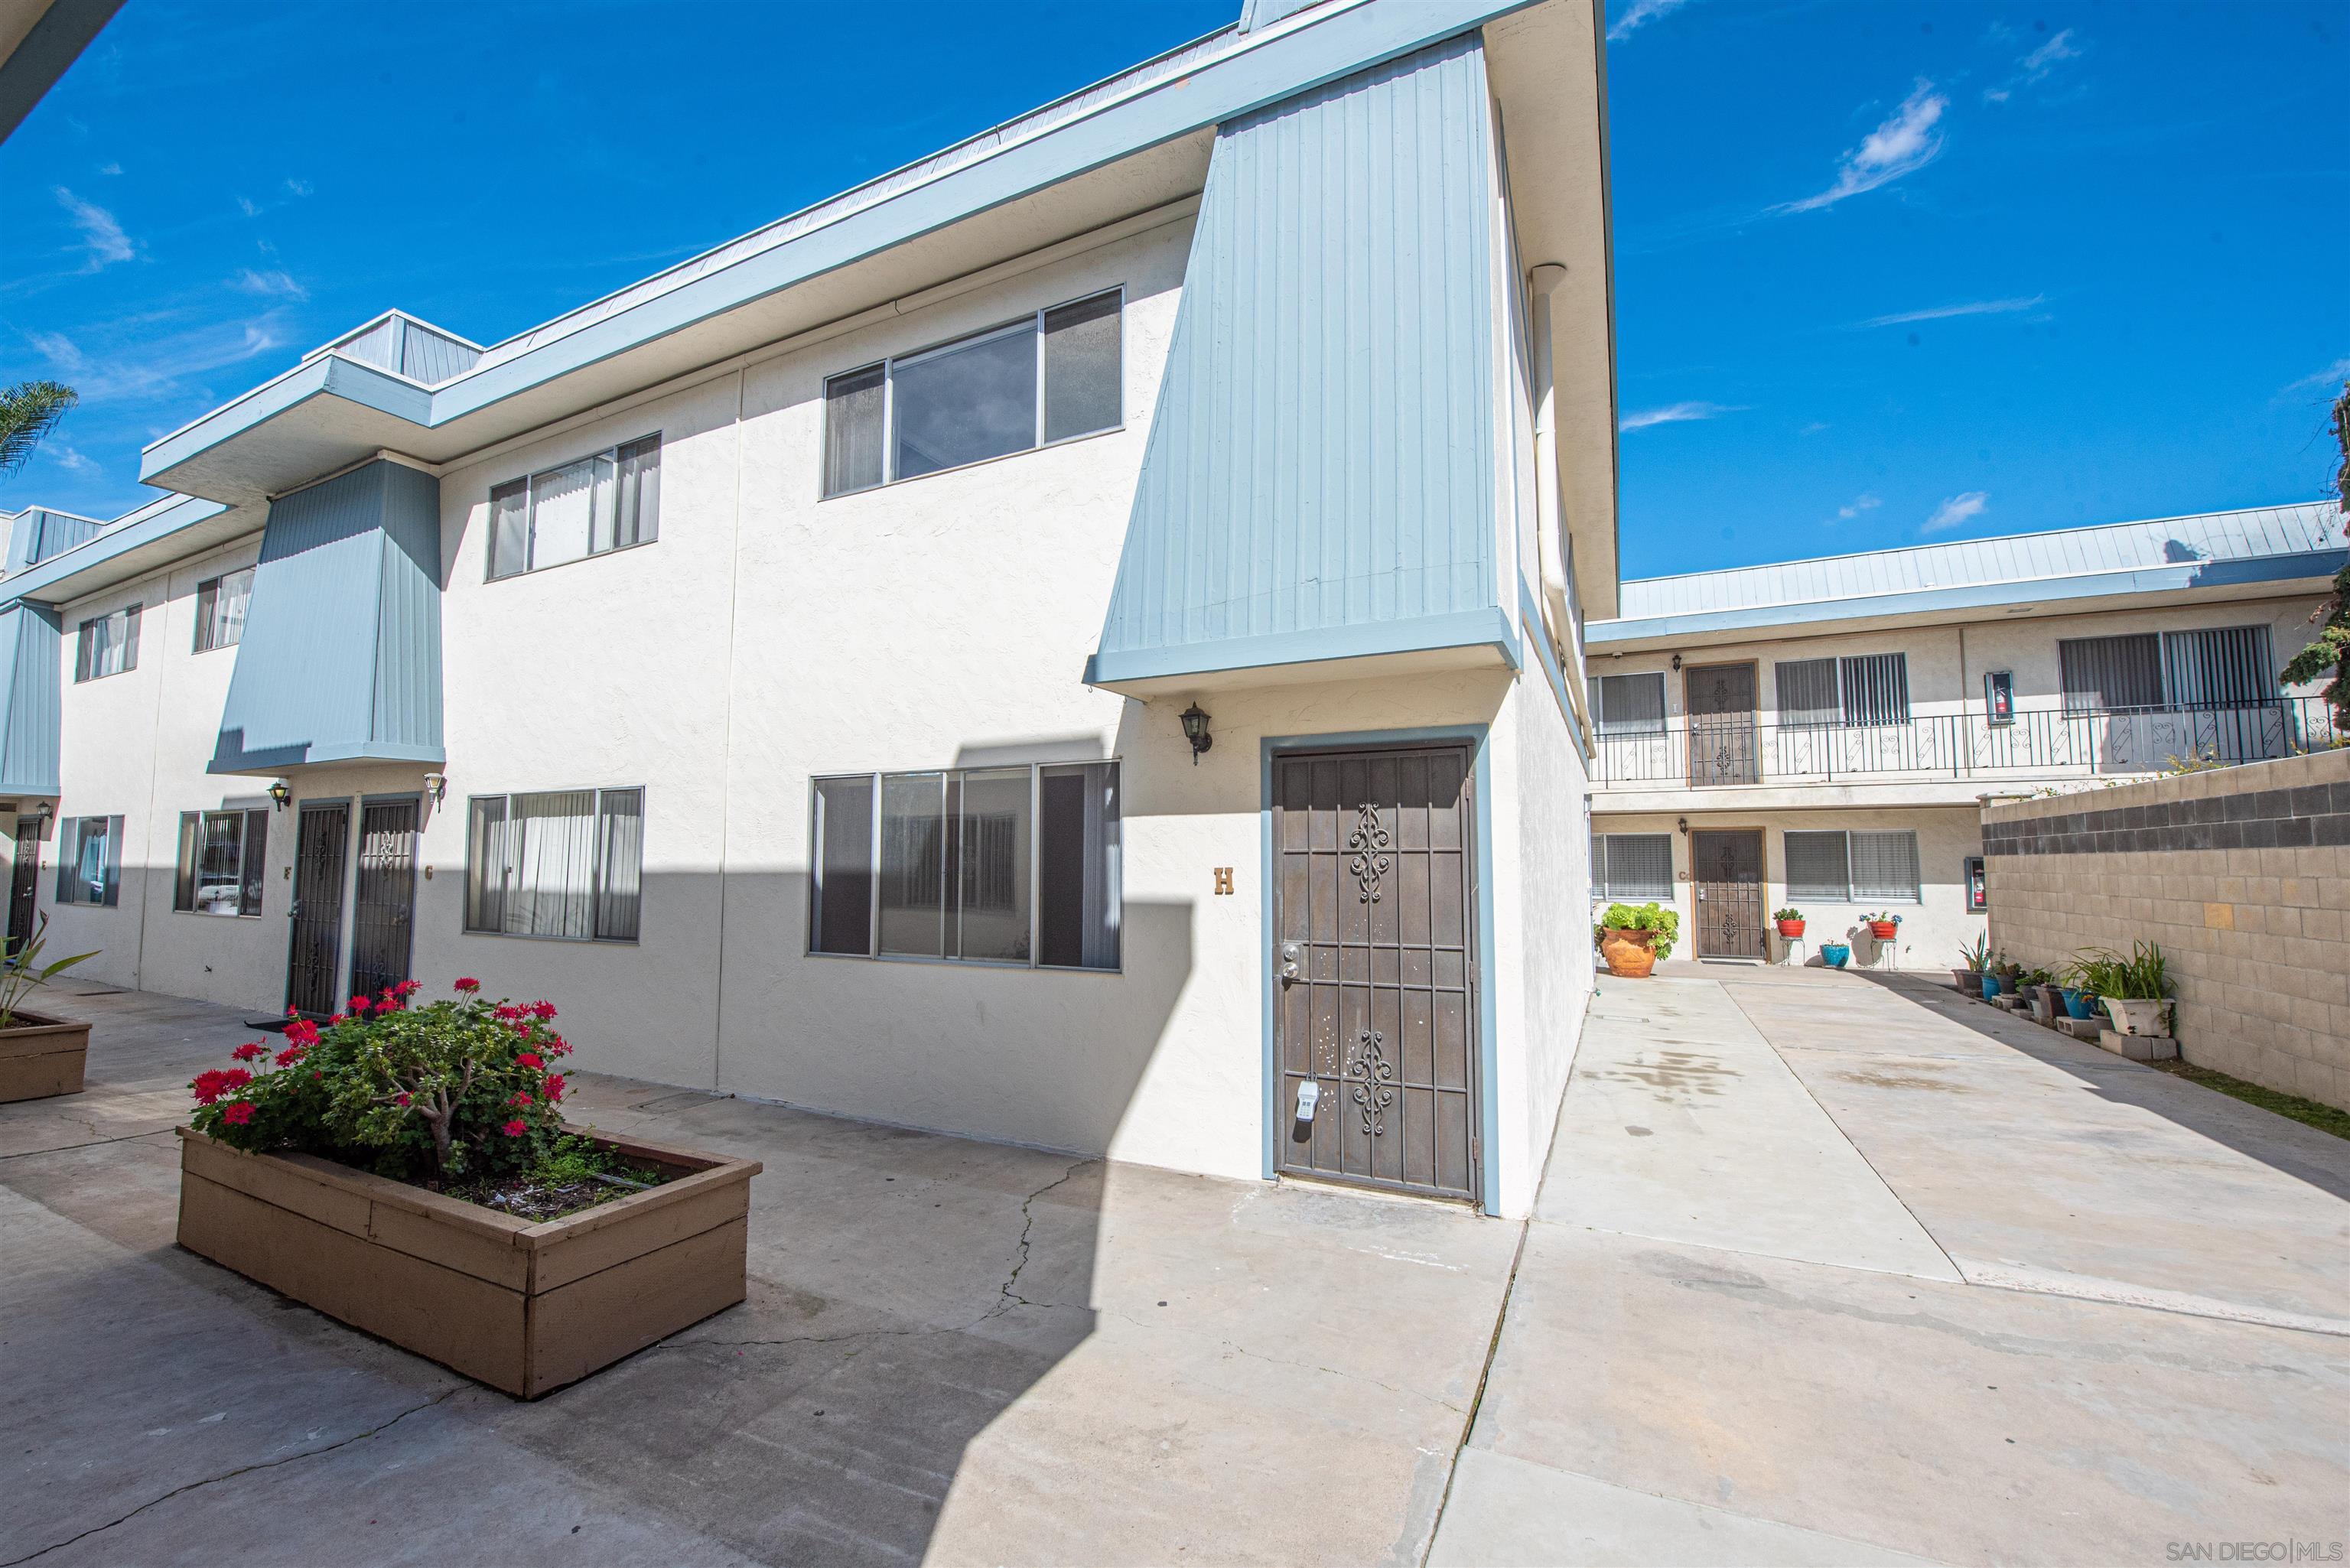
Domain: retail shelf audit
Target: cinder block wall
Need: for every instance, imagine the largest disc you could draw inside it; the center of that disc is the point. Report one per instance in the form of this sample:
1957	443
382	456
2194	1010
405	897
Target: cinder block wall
2242	875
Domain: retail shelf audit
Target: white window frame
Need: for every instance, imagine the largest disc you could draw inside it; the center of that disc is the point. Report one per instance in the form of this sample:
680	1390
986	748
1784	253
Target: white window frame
1033	322
206	615
529	481
872	953
1851	893
596	876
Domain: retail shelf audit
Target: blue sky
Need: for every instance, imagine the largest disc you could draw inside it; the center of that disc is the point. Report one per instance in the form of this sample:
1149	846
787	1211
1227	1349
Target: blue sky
1883	272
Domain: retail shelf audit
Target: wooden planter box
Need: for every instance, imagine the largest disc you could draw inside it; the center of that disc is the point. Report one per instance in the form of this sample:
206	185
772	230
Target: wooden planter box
522	1307
41	1056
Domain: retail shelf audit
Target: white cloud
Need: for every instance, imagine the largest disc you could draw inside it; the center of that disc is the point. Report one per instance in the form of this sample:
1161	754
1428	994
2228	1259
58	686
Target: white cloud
109	168
1860	503
1905	143
1640	12
2033	68
1672	413
72	461
167	361
248	206
2328	380
1955	511
100	235
59	350
1943	312
273	283
1814	428
299	187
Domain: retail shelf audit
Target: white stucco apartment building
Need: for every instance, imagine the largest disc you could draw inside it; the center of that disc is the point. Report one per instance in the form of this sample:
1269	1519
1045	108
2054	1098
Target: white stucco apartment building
1075	641
1820	734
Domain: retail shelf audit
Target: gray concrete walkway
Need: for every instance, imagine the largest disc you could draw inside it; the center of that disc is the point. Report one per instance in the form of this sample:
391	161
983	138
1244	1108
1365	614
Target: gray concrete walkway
1836	1269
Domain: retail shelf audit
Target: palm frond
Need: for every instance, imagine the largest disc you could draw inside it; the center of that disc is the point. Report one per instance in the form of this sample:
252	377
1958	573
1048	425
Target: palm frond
29	410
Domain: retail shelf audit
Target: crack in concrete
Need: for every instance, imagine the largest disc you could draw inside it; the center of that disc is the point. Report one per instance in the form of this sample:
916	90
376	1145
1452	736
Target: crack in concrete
241	1471
1007	1295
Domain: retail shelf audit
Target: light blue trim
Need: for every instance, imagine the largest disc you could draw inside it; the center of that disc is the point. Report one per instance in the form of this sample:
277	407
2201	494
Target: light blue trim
1979	596
1488	1039
1465	628
1531	610
35	584
1343	42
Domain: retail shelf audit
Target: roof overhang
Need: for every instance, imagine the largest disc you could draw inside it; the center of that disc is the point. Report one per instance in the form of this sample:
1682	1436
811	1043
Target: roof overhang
2188	582
145	542
1124	154
38	39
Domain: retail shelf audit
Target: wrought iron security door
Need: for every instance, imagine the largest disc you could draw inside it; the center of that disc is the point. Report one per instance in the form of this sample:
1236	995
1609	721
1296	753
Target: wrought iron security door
1727	870
1721	726
384	903
1374	968
25	886
314	950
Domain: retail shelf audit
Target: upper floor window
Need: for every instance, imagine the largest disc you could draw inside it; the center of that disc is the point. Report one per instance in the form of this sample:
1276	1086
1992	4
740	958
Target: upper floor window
605	501
1055	376
2223	667
1868	689
221	857
108	645
1629	704
556	863
220	610
89	868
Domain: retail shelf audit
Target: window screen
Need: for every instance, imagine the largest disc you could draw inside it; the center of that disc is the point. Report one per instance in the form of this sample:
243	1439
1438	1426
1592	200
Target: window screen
2100	673
853	410
1885	866
1629	704
1634	866
1818	867
1807	692
1083	386
1876	688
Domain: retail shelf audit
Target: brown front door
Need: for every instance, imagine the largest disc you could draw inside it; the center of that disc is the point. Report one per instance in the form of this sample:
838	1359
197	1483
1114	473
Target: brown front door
1727	870
1720	699
1374	968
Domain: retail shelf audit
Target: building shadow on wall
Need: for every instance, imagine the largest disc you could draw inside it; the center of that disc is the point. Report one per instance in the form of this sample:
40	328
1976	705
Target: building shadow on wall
2256	1134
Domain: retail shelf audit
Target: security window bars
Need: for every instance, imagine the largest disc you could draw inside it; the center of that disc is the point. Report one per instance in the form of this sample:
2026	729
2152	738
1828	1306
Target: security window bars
1632	865
90	871
221	856
1868	689
1852	868
605	501
1009	865
108	645
1629	704
221	605
1053	376
567	864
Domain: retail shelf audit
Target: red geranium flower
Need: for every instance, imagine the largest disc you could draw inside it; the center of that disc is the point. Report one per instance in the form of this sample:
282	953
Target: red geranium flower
513	1128
237	1114
251	1050
210	1086
522	1098
556	1045
402	1101
541	1010
529	1059
302	1032
555	1085
291	1054
467	986
359	1005
505	1013
408	987
337	1018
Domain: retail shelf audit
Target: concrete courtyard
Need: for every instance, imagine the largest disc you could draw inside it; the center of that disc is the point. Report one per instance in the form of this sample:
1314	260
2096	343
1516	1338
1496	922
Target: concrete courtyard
1827	1269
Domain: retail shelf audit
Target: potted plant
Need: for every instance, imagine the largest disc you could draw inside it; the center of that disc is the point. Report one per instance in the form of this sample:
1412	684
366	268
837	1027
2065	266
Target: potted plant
1632	938
2008	973
1973	962
1883	927
40	1056
2136	990
2038	987
1791	923
2077	986
1836	955
409	1171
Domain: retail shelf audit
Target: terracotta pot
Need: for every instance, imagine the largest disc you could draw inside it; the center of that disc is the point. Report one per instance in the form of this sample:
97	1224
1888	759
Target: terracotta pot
41	1056
522	1307
1883	930
1629	955
1791	929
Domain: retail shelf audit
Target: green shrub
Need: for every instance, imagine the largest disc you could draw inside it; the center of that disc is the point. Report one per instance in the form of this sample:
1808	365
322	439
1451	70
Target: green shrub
2143	976
1978	957
463	1087
1654	917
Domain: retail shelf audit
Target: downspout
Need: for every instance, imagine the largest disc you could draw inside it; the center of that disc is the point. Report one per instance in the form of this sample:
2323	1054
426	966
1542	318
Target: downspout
1550	526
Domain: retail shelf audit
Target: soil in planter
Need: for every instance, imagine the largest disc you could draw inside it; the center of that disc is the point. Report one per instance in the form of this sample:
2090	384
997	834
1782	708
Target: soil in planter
581	1175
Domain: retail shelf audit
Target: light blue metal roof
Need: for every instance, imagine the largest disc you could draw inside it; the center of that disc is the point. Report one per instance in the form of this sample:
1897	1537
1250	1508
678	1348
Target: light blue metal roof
2007	558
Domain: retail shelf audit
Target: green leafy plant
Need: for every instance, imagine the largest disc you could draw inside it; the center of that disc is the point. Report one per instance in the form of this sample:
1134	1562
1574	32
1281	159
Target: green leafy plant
1664	924
2328	653
456	1088
1788	915
1977	957
24	973
2144	976
29	410
2038	976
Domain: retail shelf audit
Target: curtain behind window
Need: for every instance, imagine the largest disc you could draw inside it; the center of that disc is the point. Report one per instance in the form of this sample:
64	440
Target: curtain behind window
853	410
551	864
2227	667
510	528
1807	692
619	887
1639	865
1629	704
1817	866
1876	688
1885	866
2102	673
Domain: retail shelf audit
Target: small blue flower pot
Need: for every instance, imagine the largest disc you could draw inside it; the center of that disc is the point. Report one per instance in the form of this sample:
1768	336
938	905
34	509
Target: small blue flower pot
1990	985
2079	1004
1834	954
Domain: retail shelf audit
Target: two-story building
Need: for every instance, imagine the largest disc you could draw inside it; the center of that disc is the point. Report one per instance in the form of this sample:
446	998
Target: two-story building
1075	641
1820	734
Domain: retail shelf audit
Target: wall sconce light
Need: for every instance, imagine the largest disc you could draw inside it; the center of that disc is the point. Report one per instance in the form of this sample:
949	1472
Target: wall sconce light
436	786
281	792
1677	661
1195	730
1683	825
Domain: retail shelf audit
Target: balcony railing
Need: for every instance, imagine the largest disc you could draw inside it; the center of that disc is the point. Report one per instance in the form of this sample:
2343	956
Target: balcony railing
1710	751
